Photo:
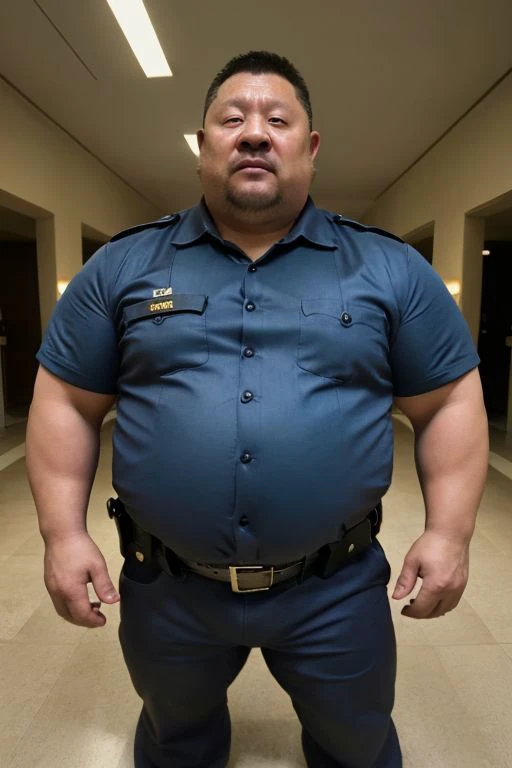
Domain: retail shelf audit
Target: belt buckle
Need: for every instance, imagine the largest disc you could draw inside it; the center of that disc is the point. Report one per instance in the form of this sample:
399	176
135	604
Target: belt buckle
233	573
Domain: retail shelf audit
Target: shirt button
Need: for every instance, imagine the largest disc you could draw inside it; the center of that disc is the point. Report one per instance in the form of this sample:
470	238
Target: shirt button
244	520
248	352
247	397
250	307
252	268
346	319
245	458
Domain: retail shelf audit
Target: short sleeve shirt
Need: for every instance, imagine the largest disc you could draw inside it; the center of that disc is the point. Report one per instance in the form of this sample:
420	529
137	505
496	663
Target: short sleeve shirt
254	399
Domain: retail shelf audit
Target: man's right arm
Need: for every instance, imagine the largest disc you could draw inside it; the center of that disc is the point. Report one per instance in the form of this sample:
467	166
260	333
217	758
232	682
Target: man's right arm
62	450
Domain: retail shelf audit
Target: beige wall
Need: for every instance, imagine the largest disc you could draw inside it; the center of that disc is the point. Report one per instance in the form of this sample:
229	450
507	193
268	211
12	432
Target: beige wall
44	173
471	166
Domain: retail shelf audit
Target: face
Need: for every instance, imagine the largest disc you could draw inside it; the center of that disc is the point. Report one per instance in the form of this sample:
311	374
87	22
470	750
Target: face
256	149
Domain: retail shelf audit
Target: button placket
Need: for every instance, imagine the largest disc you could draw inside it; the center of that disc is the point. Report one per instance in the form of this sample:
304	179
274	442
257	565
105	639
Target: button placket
248	417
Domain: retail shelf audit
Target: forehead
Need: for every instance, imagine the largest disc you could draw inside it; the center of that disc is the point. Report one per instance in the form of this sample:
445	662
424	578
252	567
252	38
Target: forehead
263	88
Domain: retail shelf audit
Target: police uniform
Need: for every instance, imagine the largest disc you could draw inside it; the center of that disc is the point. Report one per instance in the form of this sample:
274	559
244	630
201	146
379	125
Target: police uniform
253	427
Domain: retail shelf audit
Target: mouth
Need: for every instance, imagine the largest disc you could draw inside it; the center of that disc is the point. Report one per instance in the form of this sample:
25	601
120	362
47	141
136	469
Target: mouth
254	165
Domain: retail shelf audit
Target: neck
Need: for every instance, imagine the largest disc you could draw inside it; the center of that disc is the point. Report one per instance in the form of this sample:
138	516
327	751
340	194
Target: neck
253	233
254	244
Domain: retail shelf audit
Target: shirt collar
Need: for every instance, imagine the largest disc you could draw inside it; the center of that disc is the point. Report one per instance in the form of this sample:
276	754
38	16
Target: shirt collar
312	225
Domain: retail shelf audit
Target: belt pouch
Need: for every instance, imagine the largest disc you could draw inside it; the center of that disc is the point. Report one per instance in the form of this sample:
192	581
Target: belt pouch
132	539
334	555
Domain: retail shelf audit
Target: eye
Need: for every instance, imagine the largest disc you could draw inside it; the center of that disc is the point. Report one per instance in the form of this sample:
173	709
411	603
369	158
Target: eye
233	120
276	120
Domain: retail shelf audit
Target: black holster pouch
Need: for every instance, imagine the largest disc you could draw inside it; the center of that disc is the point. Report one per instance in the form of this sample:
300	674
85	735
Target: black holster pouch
136	543
132	539
353	541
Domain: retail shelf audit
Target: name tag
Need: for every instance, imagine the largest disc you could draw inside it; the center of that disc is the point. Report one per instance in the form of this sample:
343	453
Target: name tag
159	306
180	302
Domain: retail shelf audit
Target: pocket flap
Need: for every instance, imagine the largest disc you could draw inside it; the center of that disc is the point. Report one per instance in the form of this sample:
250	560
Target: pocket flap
322	307
353	315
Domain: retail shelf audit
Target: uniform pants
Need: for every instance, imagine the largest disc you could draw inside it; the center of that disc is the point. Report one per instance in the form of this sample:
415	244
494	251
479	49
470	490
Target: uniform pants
329	643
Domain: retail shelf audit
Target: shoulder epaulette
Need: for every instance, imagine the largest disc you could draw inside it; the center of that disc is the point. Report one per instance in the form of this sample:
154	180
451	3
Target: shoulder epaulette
165	221
342	220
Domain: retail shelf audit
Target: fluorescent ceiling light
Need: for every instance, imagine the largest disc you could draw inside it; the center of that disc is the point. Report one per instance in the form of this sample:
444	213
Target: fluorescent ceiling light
191	140
133	19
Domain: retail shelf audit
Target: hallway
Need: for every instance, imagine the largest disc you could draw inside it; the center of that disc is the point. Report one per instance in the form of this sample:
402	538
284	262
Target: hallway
67	702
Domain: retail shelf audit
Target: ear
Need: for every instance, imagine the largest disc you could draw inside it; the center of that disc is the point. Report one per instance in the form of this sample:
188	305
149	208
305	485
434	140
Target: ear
314	144
200	138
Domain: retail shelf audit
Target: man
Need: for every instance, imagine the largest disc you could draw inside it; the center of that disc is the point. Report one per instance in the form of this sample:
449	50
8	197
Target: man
255	344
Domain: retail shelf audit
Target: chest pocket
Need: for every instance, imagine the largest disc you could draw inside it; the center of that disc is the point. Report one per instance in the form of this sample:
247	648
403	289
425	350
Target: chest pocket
165	335
344	344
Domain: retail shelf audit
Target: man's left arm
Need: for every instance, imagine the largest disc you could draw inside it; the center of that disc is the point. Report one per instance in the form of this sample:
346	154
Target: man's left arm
451	451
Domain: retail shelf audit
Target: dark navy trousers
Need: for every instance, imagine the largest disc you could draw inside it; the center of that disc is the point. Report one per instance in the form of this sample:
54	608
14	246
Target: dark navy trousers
329	643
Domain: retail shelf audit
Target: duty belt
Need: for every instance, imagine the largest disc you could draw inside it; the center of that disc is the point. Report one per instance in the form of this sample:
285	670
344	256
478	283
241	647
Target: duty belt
146	548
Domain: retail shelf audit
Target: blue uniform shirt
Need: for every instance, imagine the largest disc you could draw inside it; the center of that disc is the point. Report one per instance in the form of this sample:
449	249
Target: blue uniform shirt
254	401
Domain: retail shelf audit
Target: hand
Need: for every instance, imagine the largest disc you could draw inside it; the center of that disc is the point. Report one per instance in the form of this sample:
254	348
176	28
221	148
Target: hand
443	564
69	565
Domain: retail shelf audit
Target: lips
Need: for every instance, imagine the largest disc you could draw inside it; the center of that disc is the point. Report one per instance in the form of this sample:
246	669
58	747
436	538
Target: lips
256	164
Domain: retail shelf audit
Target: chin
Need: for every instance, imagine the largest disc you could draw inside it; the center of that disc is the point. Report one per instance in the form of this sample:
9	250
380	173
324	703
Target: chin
252	201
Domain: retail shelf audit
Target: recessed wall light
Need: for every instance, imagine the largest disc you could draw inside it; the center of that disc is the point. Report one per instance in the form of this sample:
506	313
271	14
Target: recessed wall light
191	140
453	286
132	17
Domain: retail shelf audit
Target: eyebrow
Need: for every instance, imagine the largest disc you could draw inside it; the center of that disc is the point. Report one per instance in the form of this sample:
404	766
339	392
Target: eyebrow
241	103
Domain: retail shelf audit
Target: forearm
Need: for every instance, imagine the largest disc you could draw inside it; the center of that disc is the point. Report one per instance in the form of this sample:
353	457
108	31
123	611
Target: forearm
451	458
62	455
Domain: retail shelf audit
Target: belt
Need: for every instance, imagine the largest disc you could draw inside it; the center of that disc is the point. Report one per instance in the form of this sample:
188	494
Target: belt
254	578
246	578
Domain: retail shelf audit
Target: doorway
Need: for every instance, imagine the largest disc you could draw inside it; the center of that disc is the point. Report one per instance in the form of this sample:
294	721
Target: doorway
495	334
422	239
92	239
19	304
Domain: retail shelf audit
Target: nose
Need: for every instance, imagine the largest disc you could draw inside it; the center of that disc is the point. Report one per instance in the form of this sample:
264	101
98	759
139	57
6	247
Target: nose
254	136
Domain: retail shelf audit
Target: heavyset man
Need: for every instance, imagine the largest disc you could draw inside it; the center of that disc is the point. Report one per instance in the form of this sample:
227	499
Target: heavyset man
254	345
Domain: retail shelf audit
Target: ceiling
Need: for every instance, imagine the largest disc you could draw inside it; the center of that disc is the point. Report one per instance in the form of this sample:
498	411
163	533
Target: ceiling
387	79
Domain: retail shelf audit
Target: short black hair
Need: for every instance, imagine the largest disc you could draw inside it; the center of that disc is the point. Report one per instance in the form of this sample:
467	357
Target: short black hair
261	63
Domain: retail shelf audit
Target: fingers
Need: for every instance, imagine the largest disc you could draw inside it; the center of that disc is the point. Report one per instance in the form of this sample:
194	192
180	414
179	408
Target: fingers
423	606
442	565
102	584
407	580
77	608
430	604
70	565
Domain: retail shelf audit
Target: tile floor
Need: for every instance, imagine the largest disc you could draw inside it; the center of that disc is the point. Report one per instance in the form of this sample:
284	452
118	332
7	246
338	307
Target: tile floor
66	700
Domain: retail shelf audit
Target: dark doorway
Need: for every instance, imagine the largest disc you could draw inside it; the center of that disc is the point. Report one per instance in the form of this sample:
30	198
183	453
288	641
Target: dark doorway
19	301
89	248
91	241
422	239
425	247
495	327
